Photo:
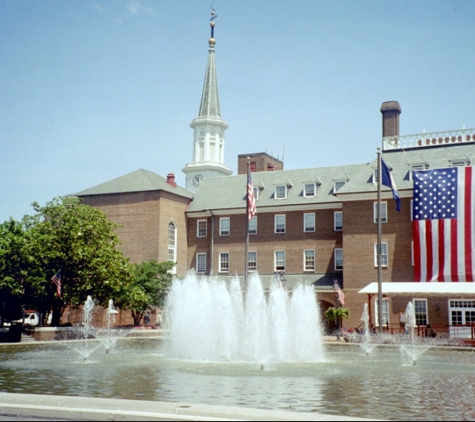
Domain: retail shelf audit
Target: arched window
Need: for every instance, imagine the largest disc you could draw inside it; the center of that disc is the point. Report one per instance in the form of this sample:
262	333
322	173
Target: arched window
172	244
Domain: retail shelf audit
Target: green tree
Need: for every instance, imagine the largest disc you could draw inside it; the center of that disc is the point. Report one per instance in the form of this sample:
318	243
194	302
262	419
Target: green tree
148	287
80	241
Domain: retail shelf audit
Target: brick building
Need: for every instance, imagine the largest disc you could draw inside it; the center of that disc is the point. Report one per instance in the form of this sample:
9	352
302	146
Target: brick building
312	225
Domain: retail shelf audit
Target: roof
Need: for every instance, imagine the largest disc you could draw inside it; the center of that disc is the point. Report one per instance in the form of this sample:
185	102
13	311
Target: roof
423	289
229	193
138	181
209	106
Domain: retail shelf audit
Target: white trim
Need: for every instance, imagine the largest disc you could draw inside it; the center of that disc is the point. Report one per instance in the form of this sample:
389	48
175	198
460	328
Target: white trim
253	219
197	263
423	289
275	223
221	262
384	212
342	259
314	184
382	254
334	221
221	220
198	228
376	313
174	247
426	312
249	261
305	222
285	192
275	261
305	261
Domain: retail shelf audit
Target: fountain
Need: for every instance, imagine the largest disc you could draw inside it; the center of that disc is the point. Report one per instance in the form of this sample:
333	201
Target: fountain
366	344
244	351
211	323
411	352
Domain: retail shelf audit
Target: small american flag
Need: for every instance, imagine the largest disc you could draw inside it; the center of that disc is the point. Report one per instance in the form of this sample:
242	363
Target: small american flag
443	226
339	292
251	199
56	279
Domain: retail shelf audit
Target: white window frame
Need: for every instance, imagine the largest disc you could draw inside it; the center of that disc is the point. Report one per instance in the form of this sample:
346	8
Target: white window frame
336	251
386	314
172	245
253	225
224	262
416	313
256	192
384	254
335	227
200	265
309	228
462	162
252	263
375	176
312	255
200	230
223	221
384	212
280	260
278	195
338	184
276	217
314	187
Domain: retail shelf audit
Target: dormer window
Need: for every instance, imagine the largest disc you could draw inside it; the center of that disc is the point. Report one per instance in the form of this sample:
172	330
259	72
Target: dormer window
417	167
338	185
281	192
310	190
464	162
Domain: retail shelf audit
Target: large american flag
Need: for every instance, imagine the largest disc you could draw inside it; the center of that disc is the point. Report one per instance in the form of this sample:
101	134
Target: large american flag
251	199
444	226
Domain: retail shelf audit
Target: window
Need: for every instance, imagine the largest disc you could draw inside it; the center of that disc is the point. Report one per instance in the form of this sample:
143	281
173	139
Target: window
420	311
338	258
279	224
281	192
252	261
253	225
375	176
202	228
200	263
384	212
460	163
310	190
309	222
338	221
172	244
338	184
417	167
384	254
279	261
224	226
384	312
256	193
224	262
309	260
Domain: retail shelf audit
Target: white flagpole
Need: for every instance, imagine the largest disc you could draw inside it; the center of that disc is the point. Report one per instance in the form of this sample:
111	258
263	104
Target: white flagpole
246	260
379	247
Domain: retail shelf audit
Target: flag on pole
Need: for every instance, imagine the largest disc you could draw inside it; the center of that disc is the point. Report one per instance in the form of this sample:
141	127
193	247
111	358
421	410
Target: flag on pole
339	292
443	225
251	199
388	180
56	279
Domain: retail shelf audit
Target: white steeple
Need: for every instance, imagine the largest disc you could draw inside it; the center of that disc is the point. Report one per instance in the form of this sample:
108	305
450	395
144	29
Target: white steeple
208	128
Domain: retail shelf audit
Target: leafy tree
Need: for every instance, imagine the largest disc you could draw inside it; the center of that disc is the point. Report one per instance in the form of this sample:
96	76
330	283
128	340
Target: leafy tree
148	287
80	241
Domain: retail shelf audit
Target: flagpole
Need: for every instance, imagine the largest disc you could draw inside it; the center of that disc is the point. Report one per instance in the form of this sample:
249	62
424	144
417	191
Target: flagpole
246	249
379	248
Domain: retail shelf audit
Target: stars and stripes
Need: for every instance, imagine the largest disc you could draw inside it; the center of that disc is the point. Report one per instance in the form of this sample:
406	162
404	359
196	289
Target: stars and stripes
56	279
251	199
339	292
443	225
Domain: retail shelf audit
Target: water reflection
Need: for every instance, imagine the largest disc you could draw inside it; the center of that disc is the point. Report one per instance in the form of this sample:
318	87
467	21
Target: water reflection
349	383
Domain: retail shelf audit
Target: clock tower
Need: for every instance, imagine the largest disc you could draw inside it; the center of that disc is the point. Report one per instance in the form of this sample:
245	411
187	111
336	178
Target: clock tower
208	128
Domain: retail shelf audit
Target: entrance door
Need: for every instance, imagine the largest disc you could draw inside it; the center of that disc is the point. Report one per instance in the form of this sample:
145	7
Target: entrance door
461	318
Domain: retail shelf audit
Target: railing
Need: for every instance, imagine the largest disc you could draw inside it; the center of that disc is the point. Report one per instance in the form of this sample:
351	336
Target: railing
422	140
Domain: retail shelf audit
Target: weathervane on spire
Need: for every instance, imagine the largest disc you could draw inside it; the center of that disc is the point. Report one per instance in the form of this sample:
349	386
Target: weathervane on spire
212	24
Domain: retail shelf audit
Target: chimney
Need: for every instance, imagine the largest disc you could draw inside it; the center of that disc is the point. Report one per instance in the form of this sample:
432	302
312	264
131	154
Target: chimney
390	111
171	180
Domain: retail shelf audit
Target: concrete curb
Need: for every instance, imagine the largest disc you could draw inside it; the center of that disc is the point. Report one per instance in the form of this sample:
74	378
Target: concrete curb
98	409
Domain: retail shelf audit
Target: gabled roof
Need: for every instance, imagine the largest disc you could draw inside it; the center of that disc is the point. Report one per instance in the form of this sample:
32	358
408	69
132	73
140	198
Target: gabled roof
138	181
228	193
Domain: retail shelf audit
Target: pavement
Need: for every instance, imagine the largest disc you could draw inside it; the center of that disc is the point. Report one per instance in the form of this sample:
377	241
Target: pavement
30	407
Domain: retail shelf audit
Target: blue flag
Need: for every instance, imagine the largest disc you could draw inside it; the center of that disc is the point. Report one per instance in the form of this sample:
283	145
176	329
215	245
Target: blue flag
387	180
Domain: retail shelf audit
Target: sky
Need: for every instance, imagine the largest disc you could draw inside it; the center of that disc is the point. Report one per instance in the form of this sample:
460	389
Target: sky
91	90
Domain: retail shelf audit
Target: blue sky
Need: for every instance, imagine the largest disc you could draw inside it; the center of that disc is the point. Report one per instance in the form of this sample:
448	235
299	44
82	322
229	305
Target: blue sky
91	90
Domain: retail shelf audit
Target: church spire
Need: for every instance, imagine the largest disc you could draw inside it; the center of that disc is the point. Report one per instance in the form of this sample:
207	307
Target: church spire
208	128
209	106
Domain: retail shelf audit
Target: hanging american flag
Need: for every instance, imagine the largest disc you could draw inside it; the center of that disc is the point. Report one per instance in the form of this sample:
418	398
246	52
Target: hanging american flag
56	279
443	226
339	292
251	199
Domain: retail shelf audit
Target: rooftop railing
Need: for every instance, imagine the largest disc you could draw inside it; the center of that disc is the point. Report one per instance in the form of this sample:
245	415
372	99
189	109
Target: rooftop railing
422	140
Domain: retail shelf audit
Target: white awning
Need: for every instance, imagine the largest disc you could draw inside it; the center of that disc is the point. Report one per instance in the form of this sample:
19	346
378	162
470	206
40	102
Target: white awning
414	288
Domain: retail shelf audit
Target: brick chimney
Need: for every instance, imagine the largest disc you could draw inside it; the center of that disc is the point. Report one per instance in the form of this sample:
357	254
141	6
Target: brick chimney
171	180
390	111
